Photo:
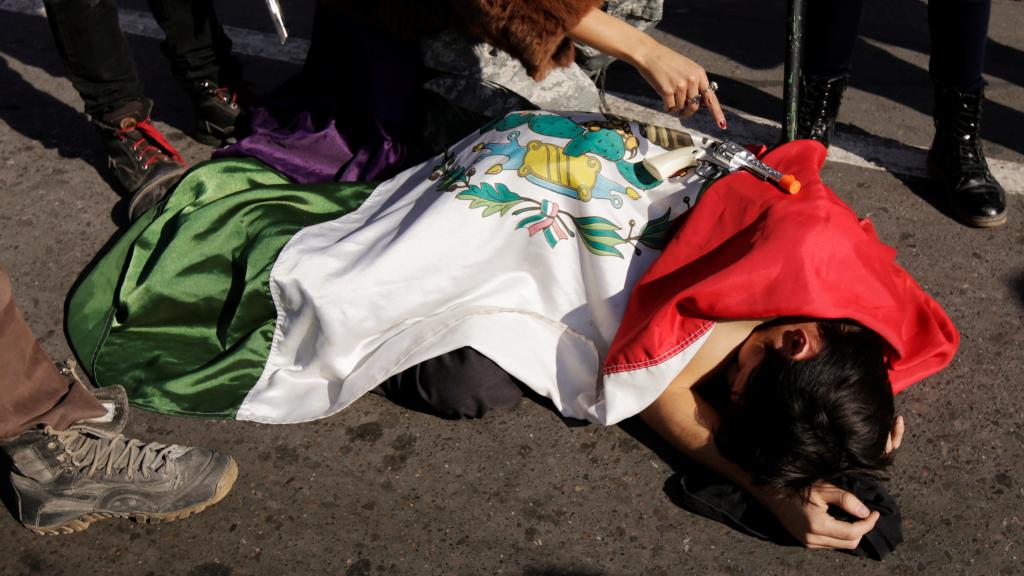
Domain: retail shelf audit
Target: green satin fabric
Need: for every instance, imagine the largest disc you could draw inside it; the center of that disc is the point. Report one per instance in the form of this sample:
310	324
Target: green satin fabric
178	310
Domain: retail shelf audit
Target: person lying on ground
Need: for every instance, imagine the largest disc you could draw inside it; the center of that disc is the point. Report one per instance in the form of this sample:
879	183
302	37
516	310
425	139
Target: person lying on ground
538	251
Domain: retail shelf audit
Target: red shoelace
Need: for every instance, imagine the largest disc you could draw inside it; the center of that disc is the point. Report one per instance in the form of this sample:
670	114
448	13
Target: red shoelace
144	147
226	94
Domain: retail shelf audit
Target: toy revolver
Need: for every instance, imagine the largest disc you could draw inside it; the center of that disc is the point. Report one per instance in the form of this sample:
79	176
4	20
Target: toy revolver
727	155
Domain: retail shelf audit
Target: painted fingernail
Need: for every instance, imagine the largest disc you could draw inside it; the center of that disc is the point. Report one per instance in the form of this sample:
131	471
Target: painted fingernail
723	125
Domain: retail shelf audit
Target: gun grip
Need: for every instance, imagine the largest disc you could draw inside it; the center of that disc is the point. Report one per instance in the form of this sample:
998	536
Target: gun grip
667	164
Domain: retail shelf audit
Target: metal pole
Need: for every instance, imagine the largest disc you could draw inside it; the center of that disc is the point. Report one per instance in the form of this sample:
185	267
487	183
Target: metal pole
794	55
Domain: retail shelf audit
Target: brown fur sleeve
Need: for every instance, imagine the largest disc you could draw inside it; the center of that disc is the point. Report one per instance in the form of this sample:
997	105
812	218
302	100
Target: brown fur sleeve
533	31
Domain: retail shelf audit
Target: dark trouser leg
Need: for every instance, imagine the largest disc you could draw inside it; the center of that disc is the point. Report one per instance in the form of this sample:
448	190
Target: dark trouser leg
196	45
32	392
830	32
959	32
388	71
94	53
460	384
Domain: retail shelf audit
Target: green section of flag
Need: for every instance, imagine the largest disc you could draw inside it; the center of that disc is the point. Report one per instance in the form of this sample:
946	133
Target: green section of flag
178	310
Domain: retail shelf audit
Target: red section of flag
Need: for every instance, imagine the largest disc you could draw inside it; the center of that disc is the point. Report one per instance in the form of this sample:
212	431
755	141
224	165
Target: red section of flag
748	251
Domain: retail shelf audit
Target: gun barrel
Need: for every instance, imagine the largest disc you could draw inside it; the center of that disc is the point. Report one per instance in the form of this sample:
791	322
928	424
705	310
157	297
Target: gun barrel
736	157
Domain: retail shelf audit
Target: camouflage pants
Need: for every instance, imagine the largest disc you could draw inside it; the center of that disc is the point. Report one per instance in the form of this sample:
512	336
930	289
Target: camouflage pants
472	82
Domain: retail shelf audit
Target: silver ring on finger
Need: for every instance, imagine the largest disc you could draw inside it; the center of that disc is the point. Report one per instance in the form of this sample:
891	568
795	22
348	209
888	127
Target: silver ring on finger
712	87
695	100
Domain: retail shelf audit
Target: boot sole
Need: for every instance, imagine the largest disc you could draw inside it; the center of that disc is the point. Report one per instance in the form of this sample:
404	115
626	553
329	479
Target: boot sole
973	221
157	188
224	486
212	135
976	222
209	139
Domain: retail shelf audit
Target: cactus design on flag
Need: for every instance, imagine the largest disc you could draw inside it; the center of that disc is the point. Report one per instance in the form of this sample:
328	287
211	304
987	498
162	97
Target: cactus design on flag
599	235
548	166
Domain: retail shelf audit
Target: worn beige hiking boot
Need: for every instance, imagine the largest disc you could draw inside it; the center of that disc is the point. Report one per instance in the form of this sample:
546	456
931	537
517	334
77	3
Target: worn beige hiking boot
65	481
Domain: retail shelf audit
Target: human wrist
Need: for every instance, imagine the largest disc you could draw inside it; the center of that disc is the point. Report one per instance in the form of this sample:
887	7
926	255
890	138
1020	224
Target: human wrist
767	496
640	50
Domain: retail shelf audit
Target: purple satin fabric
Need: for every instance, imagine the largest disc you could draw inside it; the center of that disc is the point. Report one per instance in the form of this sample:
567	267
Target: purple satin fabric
349	115
308	151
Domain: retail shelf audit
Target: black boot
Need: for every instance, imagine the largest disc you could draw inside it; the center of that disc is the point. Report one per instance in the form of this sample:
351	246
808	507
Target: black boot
956	155
818	107
218	111
142	160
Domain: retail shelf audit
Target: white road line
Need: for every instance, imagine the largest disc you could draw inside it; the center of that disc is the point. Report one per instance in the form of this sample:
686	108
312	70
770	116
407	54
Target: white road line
864	151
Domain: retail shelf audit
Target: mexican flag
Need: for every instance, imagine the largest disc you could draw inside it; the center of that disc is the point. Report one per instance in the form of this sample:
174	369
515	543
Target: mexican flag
539	241
246	296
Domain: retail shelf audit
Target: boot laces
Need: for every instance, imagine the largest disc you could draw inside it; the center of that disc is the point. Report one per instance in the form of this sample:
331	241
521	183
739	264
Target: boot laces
818	104
223	93
148	144
960	128
226	94
116	456
966	132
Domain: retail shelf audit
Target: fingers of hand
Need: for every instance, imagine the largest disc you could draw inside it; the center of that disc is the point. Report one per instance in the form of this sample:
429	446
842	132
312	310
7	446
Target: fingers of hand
685	97
668	97
711	101
825	542
826	527
674	99
691	95
897	432
826	494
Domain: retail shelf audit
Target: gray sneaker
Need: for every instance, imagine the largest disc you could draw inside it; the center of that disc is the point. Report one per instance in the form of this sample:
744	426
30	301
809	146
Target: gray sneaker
65	481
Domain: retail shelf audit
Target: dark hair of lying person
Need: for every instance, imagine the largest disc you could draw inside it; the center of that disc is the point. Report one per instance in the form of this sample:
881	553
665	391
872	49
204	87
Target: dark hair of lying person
800	422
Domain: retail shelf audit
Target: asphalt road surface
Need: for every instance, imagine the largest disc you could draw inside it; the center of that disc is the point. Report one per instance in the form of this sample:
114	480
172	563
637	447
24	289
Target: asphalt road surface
381	490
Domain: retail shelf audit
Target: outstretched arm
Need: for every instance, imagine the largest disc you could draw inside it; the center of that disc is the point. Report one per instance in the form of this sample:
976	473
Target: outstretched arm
687	421
676	78
680	416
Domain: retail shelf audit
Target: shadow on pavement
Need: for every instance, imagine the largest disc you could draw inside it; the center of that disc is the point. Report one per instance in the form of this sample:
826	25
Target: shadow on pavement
7	495
56	126
717	27
904	23
28	39
891	77
41	117
1017	285
931	192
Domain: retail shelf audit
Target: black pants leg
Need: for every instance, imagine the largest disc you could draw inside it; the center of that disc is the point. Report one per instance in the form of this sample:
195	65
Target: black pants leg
958	28
830	31
97	59
959	32
195	42
94	52
460	384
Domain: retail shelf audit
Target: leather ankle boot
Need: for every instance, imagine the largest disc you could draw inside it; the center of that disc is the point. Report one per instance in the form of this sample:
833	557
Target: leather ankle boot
141	159
956	155
818	107
219	111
